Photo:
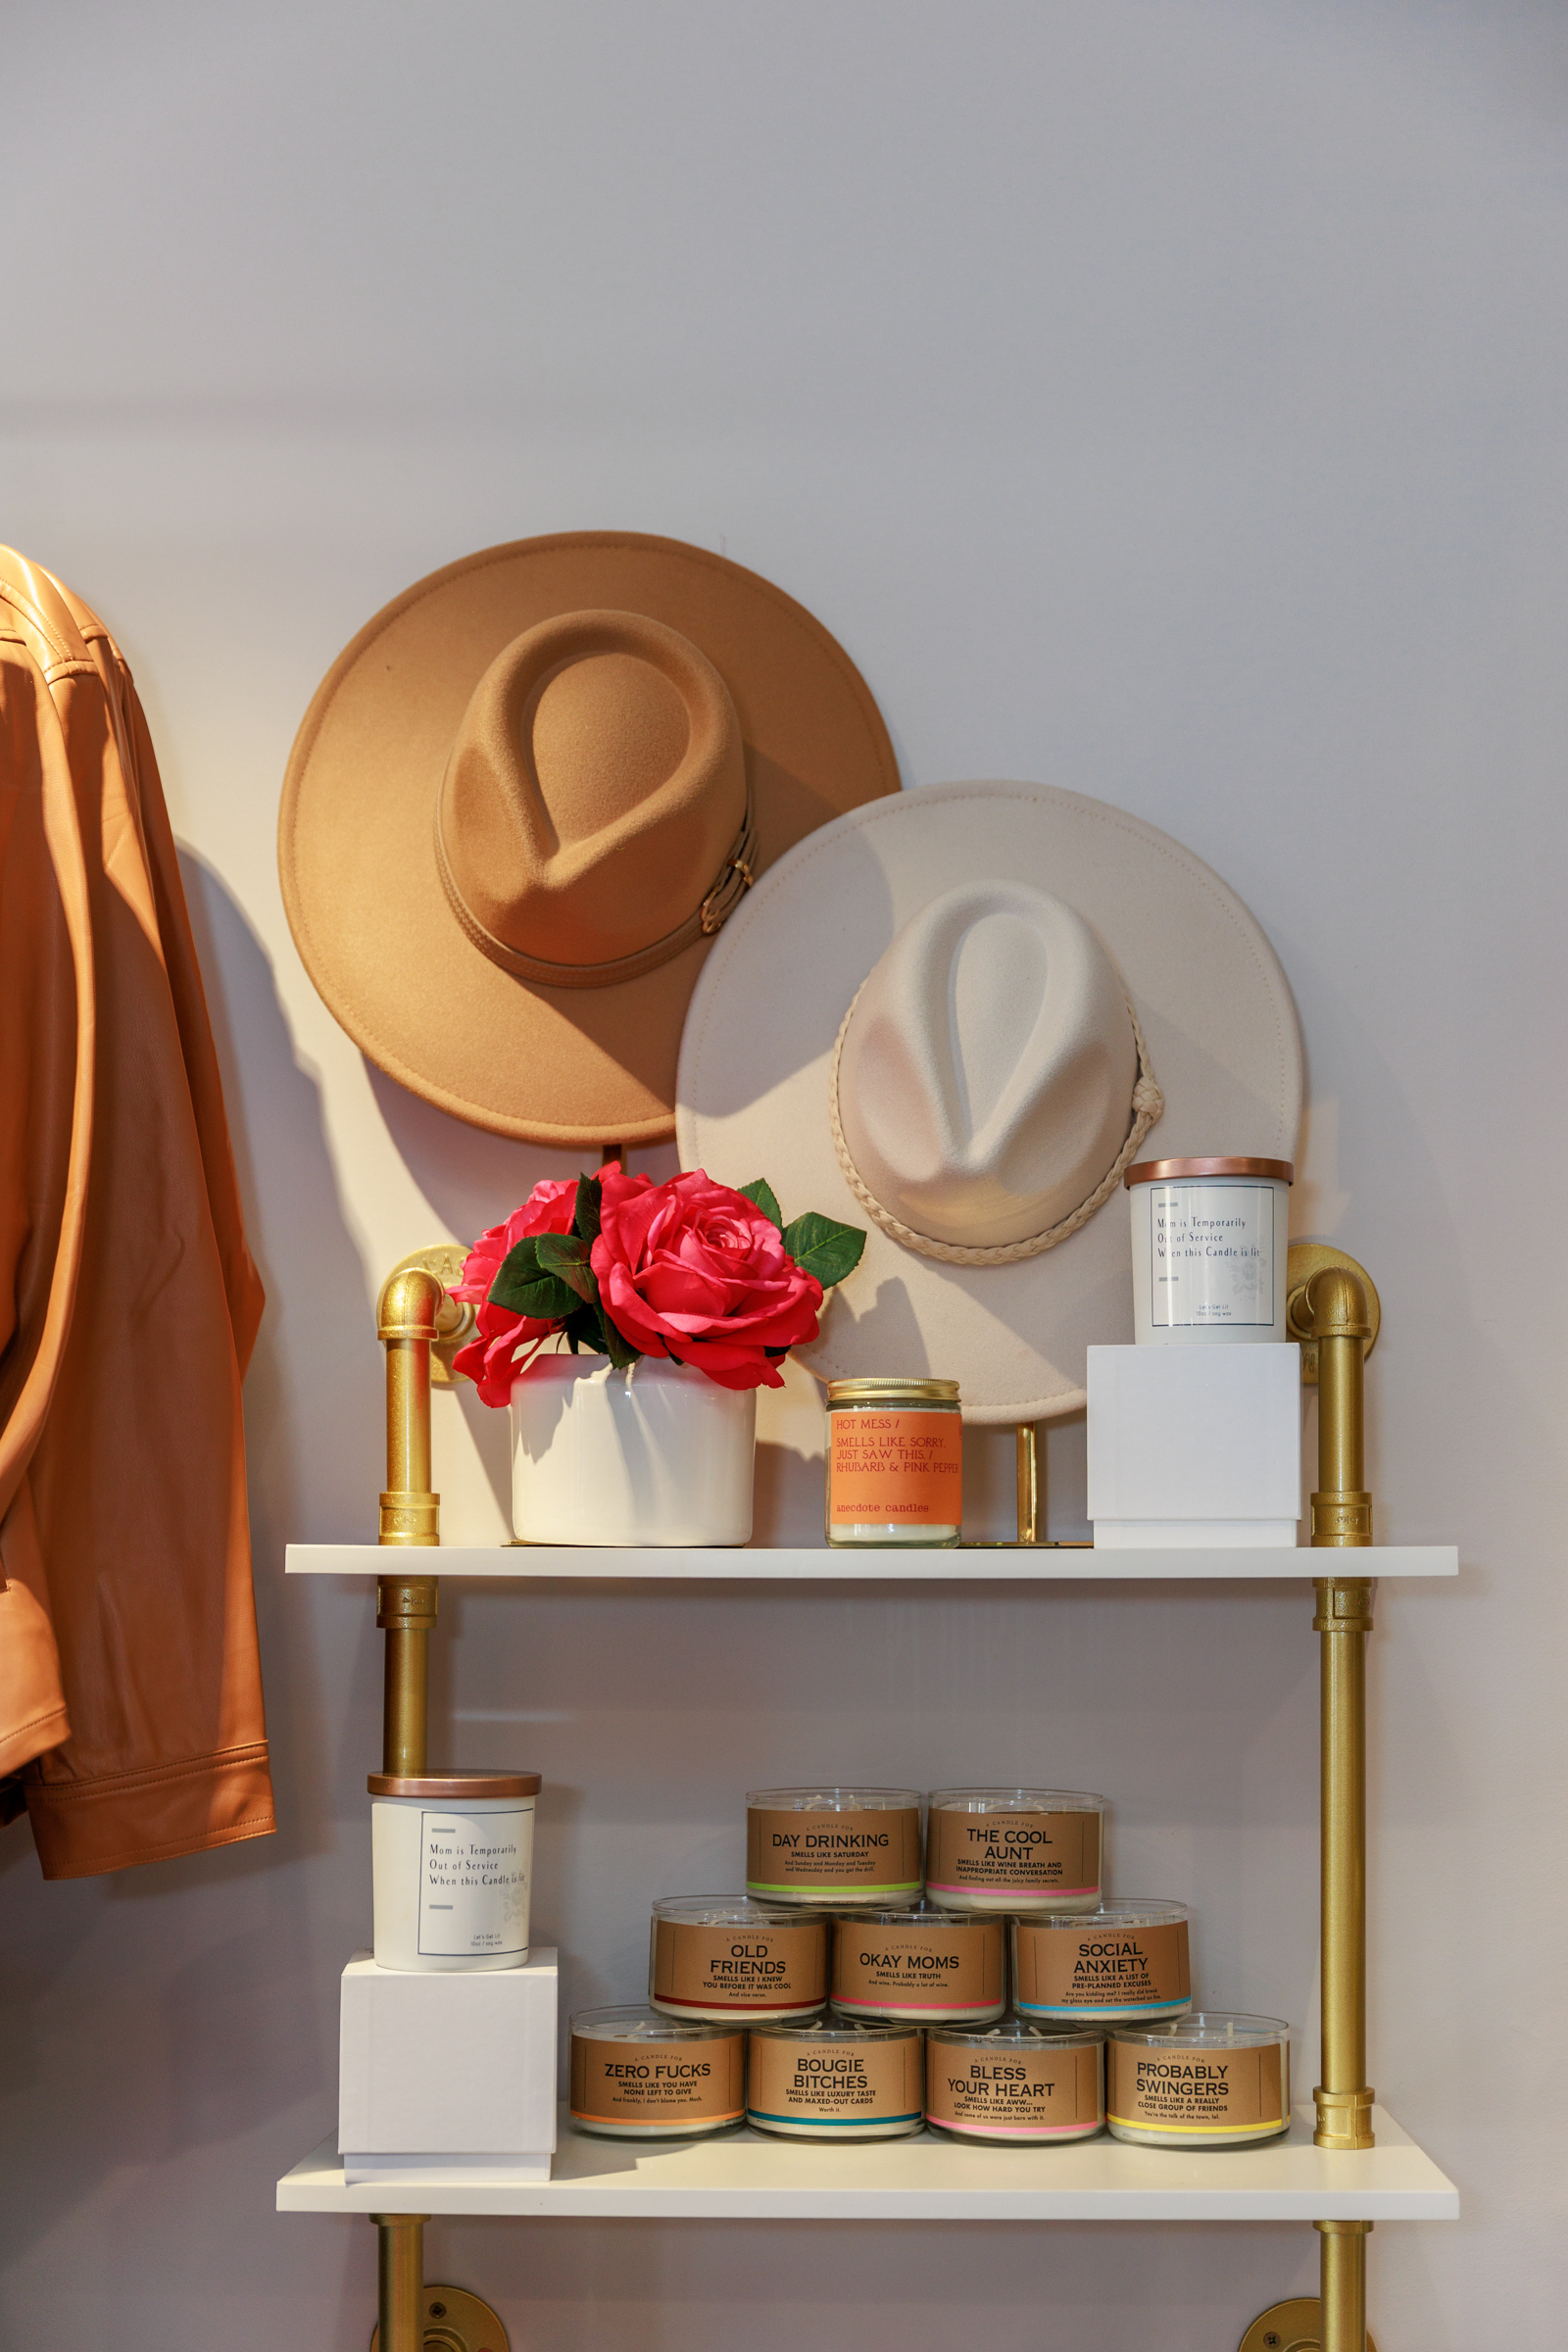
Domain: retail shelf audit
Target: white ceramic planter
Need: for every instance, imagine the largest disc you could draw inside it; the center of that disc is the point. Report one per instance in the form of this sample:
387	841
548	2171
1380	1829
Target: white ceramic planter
655	1455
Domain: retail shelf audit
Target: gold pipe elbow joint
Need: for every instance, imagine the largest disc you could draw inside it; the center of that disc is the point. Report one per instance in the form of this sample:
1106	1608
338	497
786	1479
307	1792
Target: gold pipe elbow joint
1334	1305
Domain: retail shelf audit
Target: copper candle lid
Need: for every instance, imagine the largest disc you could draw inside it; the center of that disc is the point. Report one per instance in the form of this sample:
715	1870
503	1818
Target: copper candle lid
1165	1171
451	1787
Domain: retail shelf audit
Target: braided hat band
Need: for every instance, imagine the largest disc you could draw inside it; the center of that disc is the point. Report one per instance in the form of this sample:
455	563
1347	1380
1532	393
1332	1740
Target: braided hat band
1148	1103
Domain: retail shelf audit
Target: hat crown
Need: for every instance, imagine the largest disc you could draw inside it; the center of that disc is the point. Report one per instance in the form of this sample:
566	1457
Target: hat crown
986	1075
595	785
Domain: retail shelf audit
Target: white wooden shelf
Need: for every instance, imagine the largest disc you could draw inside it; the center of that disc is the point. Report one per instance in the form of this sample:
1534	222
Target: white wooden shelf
899	1563
744	2176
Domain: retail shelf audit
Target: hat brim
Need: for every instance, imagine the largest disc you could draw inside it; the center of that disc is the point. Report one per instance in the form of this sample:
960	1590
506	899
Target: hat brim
751	1085
356	830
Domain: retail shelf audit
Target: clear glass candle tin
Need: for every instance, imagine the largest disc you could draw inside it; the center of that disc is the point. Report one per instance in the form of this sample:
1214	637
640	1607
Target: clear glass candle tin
1014	1849
1020	2082
831	1846
451	1862
638	2074
842	2079
895	1461
1209	1243
726	1957
1127	1960
932	1966
1210	2080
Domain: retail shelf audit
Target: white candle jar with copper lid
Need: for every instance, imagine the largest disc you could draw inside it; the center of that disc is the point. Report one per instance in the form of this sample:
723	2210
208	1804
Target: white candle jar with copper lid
1211	1239
923	1964
726	1957
840	2078
452	1860
1127	1960
1210	2080
1016	2083
895	1461
828	1847
637	2074
1014	1849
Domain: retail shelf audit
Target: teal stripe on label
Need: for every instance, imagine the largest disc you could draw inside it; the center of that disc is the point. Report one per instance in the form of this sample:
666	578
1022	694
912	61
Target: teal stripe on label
831	2122
1131	2009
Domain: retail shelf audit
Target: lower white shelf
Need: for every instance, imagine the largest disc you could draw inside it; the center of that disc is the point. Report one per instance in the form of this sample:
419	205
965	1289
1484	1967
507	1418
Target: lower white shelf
899	1563
747	2177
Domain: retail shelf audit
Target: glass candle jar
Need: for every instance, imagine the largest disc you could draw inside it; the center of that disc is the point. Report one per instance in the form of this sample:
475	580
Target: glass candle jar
1014	1849
1128	1960
843	2079
1017	2081
832	1847
895	1461
637	2074
1210	2080
724	1956
1209	1243
934	1967
451	1858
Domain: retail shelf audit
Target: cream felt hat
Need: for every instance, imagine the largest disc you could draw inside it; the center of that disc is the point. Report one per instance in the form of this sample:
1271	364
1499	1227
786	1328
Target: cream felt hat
955	1017
527	797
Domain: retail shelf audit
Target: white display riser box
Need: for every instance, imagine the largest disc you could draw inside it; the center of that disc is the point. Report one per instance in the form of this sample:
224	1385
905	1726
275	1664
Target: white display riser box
1197	1446
451	2075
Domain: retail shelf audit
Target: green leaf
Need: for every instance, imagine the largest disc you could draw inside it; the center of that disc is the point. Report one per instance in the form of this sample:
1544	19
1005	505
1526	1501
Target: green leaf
584	1330
619	1350
822	1247
526	1288
586	1209
763	1195
565	1256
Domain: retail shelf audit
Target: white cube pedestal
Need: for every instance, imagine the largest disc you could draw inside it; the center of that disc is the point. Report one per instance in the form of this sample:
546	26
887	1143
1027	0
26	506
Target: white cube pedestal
451	2072
1195	1445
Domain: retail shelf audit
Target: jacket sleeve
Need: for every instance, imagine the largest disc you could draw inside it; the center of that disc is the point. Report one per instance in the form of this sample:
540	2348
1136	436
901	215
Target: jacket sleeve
136	1474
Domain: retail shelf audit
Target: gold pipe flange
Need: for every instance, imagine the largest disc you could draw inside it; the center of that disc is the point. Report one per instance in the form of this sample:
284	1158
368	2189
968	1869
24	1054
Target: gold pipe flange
1302	1262
456	1320
453	2321
1294	2326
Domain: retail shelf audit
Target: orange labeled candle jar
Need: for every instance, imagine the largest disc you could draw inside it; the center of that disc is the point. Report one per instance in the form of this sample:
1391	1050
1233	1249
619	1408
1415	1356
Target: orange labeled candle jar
833	1846
895	1461
1128	1960
1025	2083
1013	1849
844	2078
722	1956
935	1967
638	2076
1212	2080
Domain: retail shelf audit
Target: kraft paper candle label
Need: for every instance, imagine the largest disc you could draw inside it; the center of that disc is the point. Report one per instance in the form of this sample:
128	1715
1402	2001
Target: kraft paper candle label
1189	2093
1121	1967
622	2081
1013	1853
758	1969
952	1967
1211	1254
895	1467
836	2083
1019	2093
872	1851
473	1883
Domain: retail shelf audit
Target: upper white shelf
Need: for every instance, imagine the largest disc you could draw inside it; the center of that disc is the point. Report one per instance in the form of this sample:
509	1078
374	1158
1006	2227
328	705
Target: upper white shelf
744	2175
899	1563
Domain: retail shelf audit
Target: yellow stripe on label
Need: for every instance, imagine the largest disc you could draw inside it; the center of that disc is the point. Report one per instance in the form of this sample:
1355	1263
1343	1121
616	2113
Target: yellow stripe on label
1138	2122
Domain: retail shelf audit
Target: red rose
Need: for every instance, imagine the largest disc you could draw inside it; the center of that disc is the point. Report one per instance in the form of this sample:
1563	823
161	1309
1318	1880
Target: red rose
488	1359
690	1270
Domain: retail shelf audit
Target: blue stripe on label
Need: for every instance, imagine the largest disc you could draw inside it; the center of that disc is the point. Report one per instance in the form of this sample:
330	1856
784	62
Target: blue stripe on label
832	2123
1131	2009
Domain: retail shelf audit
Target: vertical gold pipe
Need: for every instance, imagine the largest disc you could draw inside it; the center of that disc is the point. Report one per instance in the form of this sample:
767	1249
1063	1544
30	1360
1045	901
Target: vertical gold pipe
1031	1497
405	1605
400	2280
1341	2285
1335	1311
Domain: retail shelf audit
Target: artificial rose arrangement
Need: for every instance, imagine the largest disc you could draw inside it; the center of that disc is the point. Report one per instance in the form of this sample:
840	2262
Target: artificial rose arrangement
625	1267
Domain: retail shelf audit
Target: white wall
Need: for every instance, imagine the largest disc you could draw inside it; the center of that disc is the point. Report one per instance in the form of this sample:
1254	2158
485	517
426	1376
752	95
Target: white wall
1162	399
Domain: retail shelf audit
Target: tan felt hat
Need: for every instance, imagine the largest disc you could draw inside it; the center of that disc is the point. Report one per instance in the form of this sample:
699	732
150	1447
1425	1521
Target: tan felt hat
995	994
526	798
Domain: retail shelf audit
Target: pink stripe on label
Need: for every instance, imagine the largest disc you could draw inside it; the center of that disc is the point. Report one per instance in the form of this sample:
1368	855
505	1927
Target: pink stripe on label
911	2002
1023	2130
1022	1892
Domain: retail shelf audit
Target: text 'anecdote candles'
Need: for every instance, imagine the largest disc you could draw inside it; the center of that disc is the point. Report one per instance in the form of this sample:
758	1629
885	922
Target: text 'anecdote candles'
1014	1849
1026	2083
929	1965
843	2079
1214	2080
1128	1960
833	1845
451	1860
722	1956
636	2074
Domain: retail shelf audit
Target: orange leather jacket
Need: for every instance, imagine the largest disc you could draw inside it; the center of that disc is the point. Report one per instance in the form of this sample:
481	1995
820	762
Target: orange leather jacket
130	1694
